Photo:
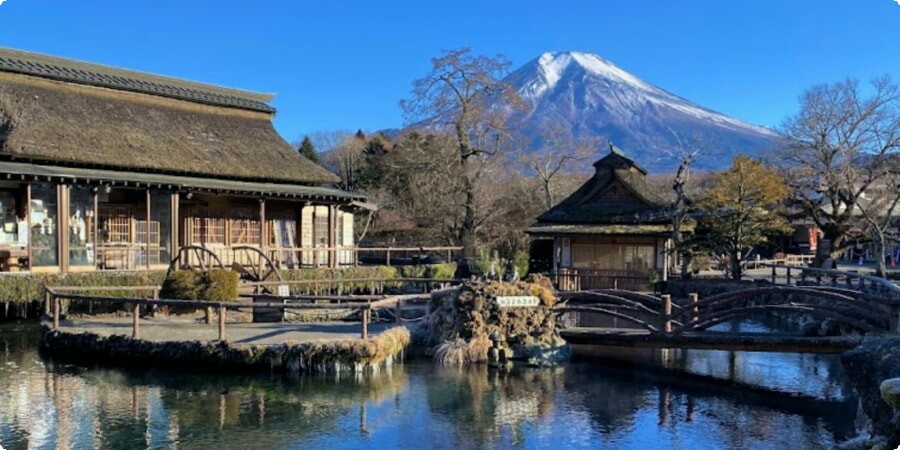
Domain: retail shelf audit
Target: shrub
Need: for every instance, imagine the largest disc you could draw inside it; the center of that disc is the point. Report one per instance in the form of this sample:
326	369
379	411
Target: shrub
181	285
520	261
219	285
444	271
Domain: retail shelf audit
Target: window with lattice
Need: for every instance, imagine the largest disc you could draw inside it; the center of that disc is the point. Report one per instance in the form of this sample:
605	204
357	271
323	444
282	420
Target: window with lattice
208	227
115	222
321	230
245	228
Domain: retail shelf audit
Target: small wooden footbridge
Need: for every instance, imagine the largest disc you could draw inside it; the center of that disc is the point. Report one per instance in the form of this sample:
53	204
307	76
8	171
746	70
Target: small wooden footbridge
853	303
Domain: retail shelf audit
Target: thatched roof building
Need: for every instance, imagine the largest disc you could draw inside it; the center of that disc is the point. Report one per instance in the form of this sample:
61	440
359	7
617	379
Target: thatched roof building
70	113
106	168
611	232
616	200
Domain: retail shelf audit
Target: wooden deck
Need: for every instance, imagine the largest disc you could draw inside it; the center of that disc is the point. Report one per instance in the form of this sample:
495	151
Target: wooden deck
710	340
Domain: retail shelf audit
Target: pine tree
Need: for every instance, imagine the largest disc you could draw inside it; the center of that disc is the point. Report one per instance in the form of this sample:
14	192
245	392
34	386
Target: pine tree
308	150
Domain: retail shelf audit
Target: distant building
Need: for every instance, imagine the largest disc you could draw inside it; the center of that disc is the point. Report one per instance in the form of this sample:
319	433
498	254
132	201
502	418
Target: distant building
611	232
103	168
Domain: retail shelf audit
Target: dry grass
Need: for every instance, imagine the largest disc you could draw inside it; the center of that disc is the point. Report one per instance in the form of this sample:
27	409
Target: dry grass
459	352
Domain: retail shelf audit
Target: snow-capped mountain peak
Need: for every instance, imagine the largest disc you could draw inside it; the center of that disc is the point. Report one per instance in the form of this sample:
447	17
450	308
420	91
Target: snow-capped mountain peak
592	97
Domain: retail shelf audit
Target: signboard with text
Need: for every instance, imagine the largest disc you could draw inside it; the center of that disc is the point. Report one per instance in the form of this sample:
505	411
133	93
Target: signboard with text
523	301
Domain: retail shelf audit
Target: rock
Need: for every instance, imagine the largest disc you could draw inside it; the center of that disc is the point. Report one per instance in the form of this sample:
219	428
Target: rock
890	392
877	359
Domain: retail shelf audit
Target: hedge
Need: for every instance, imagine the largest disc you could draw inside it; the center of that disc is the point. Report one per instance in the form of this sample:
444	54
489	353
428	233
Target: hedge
25	288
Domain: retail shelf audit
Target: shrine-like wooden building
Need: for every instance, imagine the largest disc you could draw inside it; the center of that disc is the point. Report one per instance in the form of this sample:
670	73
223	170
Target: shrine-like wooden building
109	169
610	233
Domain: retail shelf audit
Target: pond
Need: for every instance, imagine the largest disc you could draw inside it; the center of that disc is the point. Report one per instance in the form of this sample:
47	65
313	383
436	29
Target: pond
49	404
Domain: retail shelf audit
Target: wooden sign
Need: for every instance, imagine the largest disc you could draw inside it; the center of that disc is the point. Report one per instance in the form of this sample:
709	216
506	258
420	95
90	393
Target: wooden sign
518	302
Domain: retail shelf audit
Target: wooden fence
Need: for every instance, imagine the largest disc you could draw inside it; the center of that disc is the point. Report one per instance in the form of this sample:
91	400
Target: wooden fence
363	304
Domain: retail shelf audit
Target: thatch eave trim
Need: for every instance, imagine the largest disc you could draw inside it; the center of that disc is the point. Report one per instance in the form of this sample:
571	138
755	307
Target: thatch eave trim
71	175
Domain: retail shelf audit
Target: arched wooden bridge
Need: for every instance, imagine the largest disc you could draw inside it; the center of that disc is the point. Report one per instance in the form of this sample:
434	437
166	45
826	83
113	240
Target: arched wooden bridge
659	322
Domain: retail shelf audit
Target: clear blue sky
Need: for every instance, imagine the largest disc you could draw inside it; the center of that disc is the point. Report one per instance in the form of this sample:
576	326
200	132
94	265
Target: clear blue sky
346	64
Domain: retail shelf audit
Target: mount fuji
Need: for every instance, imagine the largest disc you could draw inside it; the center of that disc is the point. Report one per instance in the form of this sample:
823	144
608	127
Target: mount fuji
587	97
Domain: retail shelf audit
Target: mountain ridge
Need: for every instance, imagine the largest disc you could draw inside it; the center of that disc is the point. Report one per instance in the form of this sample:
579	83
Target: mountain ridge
587	97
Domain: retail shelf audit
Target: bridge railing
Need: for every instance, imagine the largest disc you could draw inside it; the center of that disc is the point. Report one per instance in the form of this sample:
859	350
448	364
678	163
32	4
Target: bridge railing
812	276
859	310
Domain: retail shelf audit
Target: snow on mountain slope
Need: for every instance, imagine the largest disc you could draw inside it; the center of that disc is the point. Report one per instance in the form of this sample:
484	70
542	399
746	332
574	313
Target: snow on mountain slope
591	98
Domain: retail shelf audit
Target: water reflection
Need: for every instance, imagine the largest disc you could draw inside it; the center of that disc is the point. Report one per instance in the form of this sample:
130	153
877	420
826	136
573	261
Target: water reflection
44	404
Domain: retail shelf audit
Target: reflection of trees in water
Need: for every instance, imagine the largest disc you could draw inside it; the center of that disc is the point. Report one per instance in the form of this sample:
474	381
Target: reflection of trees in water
43	404
482	405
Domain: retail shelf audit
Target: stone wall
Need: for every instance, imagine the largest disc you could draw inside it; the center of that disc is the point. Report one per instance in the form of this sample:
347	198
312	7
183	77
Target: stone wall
868	367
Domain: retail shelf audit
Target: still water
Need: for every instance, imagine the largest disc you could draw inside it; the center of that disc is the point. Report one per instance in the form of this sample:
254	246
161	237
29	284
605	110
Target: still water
49	404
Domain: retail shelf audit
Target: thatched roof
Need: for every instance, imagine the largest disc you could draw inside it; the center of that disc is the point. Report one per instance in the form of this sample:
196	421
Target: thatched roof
65	112
617	194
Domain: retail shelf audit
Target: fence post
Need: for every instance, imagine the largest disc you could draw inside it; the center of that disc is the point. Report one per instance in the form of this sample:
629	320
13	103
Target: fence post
788	276
47	302
667	313
365	323
208	315
398	311
695	311
773	274
221	322
803	276
388	256
55	312
135	317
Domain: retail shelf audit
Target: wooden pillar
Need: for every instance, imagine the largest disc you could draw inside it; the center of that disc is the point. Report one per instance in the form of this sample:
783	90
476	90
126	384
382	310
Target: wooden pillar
62	226
95	229
365	322
221	322
175	221
56	312
332	234
315	244
264	229
667	313
147	229
788	276
135	317
398	311
695	310
28	221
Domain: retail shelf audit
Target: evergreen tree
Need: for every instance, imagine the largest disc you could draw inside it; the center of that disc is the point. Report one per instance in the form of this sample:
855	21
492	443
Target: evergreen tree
308	150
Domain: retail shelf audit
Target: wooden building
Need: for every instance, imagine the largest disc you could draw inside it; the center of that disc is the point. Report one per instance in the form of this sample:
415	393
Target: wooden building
110	169
612	232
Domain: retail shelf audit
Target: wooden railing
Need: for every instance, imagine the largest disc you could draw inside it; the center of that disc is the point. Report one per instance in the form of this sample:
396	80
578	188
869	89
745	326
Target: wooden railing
363	304
812	276
568	279
372	285
351	256
786	260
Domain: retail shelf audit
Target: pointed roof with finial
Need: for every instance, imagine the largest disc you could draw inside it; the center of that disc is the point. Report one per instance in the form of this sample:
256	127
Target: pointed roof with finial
617	159
617	194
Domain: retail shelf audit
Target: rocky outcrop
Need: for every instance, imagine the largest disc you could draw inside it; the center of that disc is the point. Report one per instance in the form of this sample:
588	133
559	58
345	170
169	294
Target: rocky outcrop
356	355
873	368
464	324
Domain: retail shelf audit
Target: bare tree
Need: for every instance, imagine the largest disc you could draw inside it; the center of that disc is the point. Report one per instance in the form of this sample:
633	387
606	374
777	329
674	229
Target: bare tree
464	94
829	149
877	210
686	154
557	153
